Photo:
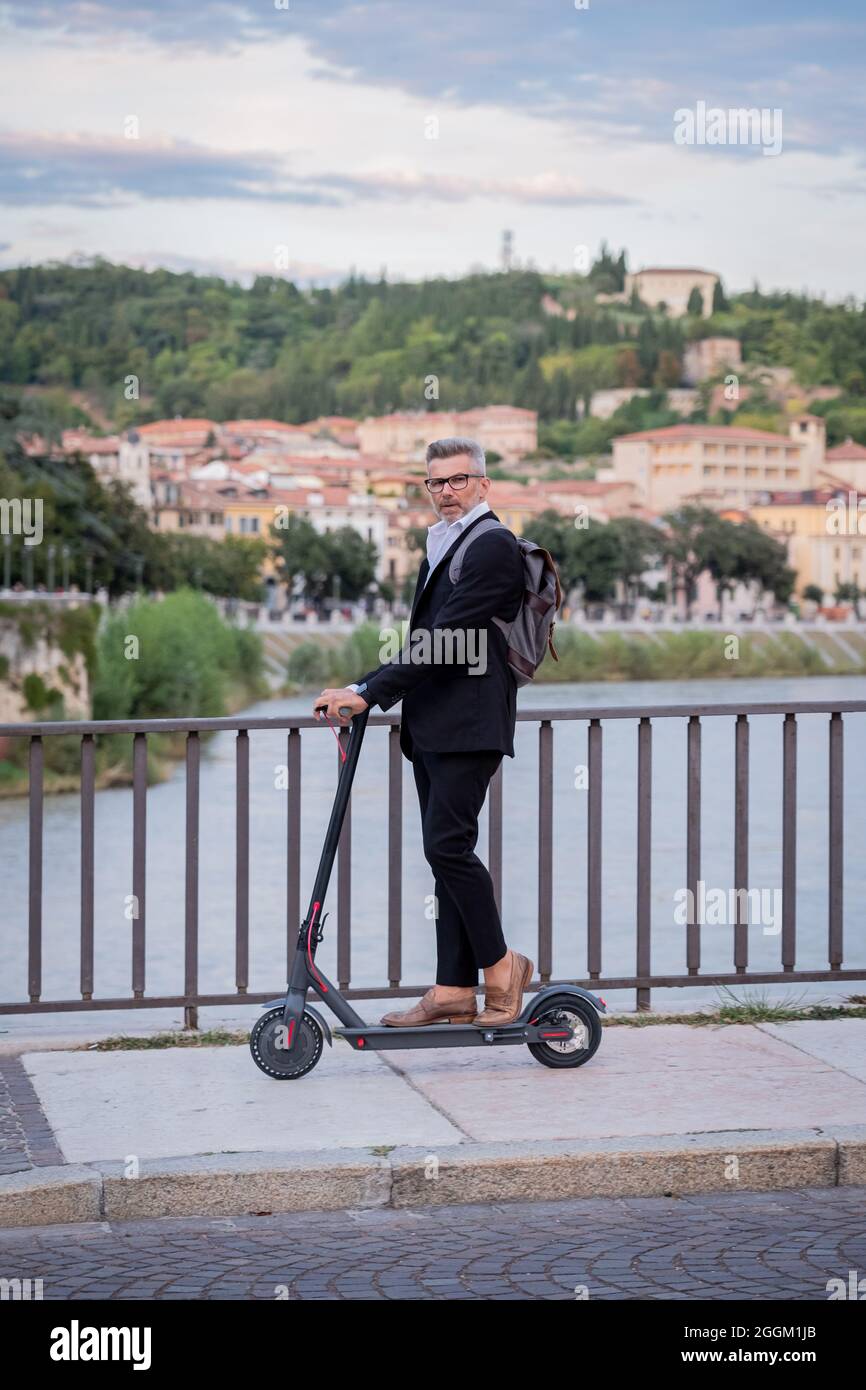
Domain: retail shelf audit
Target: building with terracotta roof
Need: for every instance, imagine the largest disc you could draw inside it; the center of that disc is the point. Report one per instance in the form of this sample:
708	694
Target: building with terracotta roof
331	508
847	463
718	465
179	433
338	427
507	430
124	458
824	533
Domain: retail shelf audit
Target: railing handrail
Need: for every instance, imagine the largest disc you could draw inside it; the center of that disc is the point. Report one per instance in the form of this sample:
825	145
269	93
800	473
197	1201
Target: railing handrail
40	728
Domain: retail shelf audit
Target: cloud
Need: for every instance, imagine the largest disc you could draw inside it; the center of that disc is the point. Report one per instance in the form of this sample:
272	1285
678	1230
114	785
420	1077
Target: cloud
214	25
617	67
89	171
401	186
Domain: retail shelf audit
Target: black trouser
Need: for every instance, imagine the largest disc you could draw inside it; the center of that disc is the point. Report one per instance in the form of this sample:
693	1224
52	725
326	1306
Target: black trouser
451	791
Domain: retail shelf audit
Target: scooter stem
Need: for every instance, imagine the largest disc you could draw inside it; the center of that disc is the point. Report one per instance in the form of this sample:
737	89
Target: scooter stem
338	815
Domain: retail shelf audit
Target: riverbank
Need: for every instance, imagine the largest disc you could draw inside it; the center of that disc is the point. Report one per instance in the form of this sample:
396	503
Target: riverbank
164	751
169	658
300	661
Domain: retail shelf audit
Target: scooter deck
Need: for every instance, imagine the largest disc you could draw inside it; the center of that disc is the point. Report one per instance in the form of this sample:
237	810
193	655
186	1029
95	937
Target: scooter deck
382	1038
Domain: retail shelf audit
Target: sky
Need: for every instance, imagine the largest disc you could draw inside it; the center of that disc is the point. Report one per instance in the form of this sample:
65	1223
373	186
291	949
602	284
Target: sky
314	137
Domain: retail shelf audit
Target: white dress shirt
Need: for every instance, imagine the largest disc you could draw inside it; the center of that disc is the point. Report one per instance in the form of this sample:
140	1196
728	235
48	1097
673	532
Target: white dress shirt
443	534
440	536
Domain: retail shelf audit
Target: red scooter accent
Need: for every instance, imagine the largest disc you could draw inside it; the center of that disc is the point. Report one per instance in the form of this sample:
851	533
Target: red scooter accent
310	960
333	729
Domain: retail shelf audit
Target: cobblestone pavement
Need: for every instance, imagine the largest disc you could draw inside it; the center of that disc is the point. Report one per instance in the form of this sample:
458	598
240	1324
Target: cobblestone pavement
753	1246
26	1138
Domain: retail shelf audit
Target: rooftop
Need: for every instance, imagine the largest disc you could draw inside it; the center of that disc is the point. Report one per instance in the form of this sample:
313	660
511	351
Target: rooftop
729	434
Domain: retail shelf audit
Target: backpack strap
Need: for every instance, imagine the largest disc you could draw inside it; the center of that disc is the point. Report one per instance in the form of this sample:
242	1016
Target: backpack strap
456	565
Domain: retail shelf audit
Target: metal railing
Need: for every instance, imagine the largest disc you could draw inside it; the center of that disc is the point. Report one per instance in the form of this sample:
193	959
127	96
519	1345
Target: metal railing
191	998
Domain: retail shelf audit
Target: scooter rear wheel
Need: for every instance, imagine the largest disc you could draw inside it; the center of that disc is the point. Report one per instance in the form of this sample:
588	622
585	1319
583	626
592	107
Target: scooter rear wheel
574	1051
268	1046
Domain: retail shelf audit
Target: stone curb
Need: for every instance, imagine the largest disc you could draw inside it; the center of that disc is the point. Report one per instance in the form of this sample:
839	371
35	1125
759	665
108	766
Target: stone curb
236	1184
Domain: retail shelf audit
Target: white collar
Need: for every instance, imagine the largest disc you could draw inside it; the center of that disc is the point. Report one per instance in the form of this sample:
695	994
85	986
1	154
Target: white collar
440	527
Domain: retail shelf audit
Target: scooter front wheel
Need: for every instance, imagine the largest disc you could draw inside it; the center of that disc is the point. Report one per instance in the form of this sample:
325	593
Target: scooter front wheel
582	1018
268	1046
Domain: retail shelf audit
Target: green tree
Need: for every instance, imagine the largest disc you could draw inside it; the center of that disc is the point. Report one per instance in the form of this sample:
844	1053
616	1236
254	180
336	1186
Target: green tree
695	305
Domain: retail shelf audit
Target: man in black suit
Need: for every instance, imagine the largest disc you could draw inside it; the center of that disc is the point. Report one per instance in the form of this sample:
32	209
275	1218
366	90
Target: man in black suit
458	718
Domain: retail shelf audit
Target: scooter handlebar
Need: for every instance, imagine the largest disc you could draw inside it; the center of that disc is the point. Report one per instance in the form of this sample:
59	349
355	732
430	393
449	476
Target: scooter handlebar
344	710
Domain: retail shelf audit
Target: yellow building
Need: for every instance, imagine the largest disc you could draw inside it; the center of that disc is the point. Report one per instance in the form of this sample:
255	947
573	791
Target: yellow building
821	531
718	465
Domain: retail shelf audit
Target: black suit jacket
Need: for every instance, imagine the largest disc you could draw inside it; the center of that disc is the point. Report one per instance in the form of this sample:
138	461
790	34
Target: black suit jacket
448	705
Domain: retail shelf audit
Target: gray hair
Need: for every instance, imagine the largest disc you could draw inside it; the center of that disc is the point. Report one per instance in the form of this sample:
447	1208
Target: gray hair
450	448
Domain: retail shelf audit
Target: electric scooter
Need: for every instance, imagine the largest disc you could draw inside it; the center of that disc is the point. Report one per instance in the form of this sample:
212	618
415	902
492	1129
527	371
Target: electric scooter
560	1026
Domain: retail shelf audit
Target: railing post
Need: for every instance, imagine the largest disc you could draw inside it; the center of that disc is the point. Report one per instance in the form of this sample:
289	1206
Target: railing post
593	849
494	835
242	861
741	841
193	752
693	842
34	943
293	848
644	859
545	850
789	842
87	863
139	853
395	857
836	848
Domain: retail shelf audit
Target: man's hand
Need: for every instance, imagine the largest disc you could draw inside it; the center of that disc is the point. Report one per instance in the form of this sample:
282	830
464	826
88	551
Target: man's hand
337	698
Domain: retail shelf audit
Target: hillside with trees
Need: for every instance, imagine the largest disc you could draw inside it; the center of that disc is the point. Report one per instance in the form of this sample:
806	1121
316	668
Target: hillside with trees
73	334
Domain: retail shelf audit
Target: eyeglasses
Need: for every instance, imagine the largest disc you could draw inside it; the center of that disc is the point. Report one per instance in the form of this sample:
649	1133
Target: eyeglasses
457	481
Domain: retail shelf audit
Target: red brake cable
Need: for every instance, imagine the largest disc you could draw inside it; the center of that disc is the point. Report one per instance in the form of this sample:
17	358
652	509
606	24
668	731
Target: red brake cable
333	729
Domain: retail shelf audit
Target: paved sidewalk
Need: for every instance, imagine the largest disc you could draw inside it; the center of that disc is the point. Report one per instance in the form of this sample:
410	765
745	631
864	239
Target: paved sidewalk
658	1109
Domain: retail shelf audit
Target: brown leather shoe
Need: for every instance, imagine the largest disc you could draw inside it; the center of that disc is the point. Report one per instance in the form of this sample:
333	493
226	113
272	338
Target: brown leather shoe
430	1010
504	1005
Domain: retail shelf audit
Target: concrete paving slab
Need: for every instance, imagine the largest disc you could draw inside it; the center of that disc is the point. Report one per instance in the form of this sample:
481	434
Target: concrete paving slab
843	1046
663	1080
675	1047
659	1080
182	1101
